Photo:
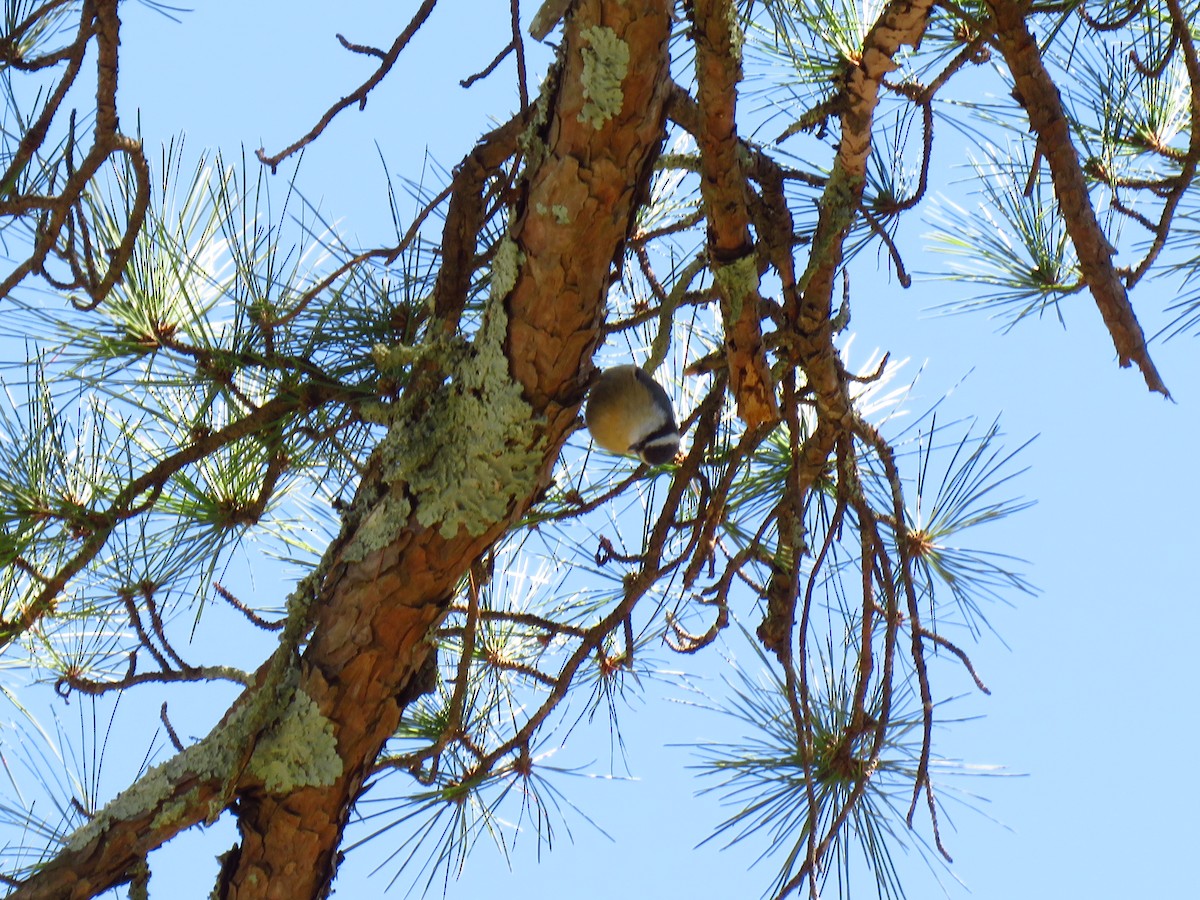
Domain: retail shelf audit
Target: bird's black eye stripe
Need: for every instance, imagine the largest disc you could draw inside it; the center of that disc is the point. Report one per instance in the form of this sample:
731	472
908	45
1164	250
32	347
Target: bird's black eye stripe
668	430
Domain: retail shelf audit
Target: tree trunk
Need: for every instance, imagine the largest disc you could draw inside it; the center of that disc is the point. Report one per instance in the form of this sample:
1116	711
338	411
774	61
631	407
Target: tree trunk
369	654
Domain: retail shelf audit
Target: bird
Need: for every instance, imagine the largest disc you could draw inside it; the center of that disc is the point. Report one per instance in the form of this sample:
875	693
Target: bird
630	414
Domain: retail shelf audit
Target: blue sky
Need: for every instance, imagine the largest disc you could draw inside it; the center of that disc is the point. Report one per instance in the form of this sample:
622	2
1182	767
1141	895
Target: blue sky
1092	703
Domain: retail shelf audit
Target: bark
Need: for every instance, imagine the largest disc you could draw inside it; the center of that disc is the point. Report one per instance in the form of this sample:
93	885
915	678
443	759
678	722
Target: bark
902	22
369	655
1040	97
725	193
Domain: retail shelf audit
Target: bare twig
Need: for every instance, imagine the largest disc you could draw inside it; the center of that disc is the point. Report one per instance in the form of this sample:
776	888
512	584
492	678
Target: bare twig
357	96
162	715
246	611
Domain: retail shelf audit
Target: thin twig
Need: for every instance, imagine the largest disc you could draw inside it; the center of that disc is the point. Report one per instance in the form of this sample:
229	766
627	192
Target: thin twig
357	96
175	742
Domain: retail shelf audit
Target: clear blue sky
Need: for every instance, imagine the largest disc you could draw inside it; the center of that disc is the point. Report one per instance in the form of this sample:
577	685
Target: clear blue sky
1092	701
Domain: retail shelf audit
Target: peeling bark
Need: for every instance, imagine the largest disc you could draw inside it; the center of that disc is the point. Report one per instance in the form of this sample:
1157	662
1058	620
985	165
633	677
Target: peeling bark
369	654
725	194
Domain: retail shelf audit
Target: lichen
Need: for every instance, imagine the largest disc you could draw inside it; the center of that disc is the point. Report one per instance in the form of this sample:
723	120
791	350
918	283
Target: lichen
217	758
300	750
737	37
171	812
376	412
390	357
561	214
838	205
605	65
300	603
467	458
213	757
139	880
533	147
506	266
141	797
737	281
379	527
460	453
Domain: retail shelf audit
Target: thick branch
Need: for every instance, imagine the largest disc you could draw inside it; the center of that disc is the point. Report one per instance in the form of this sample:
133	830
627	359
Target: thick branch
369	656
901	23
1039	95
725	192
809	314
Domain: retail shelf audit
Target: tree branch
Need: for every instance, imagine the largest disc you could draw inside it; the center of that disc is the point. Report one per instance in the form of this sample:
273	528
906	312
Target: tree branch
359	95
724	190
1040	97
368	656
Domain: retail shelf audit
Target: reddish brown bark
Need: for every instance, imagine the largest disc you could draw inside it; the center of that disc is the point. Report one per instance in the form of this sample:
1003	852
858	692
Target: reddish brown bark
368	655
901	23
725	193
369	649
1043	105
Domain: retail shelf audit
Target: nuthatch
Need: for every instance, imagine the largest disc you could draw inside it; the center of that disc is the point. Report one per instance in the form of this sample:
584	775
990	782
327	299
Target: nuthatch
629	413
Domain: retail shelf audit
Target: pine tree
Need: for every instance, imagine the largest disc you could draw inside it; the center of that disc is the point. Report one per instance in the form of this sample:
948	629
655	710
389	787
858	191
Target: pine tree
207	385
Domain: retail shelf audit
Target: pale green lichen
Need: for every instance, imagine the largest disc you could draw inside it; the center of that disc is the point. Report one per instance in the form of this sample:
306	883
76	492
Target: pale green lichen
533	148
300	750
460	454
605	65
561	214
838	206
506	266
531	142
214	757
679	162
218	757
737	281
141	797
391	357
377	412
299	605
139	881
379	527
737	37
169	813
468	457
